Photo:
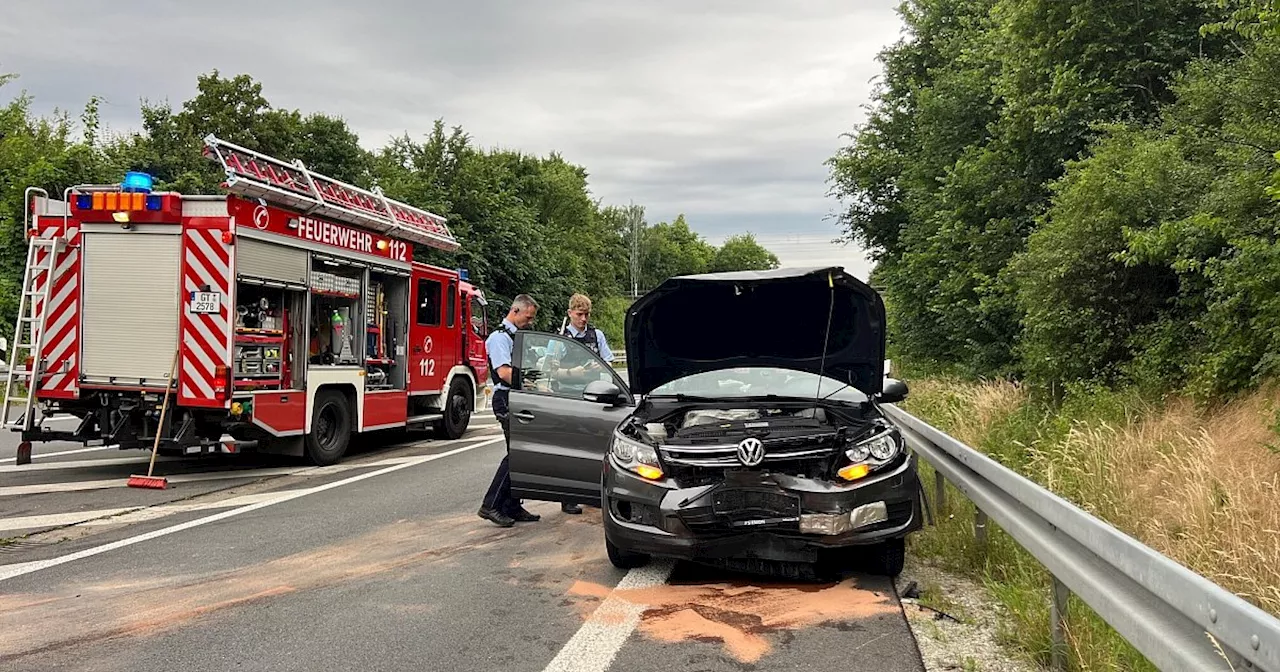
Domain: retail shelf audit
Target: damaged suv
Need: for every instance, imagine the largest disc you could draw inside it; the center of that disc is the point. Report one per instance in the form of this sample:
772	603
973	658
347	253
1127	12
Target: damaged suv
749	435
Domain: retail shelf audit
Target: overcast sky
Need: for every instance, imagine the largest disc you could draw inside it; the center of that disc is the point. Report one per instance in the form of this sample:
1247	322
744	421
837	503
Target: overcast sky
722	110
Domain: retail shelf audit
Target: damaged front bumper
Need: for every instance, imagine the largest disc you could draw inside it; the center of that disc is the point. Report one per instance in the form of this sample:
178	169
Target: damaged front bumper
759	515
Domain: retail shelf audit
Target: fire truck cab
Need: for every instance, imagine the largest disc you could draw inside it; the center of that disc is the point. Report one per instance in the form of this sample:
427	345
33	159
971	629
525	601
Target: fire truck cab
287	315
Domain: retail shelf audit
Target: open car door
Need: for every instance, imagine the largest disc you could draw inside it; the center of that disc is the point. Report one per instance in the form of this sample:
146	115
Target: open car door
565	404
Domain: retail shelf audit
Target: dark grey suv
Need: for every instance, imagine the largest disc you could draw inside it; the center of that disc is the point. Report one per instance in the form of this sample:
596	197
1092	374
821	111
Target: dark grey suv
748	436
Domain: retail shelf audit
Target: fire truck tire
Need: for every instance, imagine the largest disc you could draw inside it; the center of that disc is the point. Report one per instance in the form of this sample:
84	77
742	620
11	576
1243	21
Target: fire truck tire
330	428
457	411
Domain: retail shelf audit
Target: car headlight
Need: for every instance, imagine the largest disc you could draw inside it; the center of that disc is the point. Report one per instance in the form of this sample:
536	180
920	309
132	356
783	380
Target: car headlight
636	457
871	453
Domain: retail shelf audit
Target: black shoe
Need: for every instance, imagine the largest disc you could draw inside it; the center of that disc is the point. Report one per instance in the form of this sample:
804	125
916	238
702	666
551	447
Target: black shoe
496	517
571	508
520	515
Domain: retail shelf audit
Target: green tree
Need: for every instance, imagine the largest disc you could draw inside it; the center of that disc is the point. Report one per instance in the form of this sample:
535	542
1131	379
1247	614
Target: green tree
170	146
670	249
47	153
742	253
980	109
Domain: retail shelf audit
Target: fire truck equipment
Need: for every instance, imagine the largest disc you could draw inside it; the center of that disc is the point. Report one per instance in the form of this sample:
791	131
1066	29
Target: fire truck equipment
237	285
149	481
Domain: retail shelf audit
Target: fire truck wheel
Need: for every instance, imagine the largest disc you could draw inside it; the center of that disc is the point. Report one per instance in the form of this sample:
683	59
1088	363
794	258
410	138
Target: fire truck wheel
457	411
330	428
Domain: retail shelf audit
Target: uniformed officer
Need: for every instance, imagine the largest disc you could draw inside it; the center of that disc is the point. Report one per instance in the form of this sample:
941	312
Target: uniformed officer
499	506
580	329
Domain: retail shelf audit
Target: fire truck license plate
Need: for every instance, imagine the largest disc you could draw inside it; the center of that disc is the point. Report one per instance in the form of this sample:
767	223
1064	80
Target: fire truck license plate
206	302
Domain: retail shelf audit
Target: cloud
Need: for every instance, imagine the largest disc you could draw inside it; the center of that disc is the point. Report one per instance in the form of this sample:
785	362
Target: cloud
721	110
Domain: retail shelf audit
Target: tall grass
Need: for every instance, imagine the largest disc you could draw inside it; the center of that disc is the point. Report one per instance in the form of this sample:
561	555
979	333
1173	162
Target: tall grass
1198	485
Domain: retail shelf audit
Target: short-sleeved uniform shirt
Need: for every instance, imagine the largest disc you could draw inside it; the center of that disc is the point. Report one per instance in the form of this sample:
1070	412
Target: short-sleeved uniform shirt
499	346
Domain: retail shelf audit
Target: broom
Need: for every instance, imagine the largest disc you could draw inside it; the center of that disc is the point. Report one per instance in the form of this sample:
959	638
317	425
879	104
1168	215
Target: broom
149	481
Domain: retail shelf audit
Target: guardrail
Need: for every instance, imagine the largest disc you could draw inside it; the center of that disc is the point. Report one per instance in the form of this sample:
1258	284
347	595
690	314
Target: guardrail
1178	619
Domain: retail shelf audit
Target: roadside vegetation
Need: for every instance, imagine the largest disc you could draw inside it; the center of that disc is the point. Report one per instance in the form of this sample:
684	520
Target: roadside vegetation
1196	484
1075	212
526	223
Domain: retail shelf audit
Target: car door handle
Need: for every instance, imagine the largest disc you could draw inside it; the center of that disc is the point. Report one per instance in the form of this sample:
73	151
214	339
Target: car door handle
524	416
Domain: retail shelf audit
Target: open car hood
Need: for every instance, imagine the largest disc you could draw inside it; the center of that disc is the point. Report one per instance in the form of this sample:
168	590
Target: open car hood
779	318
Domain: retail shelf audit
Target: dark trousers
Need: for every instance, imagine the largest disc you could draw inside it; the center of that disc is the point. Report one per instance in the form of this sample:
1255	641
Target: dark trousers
499	494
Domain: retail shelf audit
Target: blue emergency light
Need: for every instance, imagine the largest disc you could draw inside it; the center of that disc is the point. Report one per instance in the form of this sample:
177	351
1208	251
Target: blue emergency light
462	274
137	182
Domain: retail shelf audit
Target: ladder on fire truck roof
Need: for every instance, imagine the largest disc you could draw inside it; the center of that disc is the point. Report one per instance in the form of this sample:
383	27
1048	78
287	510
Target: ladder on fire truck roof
258	176
28	334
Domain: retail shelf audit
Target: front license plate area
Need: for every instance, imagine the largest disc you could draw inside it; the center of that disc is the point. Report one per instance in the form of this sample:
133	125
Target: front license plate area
752	508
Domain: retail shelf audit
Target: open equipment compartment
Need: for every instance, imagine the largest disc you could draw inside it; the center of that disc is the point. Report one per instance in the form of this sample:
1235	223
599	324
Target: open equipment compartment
337	319
386	333
269	302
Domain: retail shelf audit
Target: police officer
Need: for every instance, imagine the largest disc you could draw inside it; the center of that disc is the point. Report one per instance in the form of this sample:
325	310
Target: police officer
581	330
499	506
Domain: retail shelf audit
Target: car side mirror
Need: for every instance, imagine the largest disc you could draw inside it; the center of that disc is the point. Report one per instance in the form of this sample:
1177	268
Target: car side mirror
893	391
603	392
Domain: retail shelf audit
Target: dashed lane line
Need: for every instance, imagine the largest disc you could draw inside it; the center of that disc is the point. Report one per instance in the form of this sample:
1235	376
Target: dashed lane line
21	569
594	646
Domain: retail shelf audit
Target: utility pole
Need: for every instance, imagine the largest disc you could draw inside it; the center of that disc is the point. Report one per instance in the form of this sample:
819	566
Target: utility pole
636	214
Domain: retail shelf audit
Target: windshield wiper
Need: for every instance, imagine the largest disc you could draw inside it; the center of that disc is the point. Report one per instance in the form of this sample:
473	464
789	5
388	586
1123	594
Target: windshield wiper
685	397
838	390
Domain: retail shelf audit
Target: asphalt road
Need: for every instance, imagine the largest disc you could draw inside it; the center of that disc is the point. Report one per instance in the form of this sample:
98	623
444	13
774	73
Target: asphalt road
378	563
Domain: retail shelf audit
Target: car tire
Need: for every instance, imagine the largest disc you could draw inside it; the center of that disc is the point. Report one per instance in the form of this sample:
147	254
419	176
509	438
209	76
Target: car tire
456	411
330	428
888	558
624	559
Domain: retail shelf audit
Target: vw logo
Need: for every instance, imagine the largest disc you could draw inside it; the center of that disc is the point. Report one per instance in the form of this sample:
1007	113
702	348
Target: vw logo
750	452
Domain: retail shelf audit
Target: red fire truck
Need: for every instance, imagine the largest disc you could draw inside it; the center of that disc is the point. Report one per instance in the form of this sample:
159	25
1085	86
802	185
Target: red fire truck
287	314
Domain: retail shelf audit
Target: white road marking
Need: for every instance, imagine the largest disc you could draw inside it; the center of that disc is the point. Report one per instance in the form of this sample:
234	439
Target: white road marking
54	519
24	568
200	477
594	646
61	418
114	446
121	482
155	512
82	464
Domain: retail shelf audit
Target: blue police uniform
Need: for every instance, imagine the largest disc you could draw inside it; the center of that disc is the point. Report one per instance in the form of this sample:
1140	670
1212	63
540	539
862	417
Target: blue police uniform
592	338
499	346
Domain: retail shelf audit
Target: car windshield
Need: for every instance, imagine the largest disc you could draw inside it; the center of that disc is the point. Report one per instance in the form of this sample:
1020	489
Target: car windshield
760	381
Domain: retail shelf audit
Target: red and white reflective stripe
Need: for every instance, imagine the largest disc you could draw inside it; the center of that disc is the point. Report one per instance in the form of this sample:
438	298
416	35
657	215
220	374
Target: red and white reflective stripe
62	324
206	266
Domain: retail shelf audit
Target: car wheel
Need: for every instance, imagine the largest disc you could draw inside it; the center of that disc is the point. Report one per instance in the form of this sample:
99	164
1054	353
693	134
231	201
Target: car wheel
889	557
457	411
330	428
624	559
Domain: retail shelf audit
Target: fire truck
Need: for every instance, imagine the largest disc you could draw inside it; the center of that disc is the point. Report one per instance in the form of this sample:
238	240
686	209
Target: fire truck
285	315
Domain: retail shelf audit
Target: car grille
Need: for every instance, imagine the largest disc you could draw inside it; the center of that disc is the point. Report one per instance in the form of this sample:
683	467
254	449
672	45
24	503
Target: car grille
704	520
776	450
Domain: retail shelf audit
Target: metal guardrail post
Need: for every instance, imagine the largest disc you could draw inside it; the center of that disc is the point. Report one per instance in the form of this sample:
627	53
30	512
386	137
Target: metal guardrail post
1058	624
980	529
940	491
